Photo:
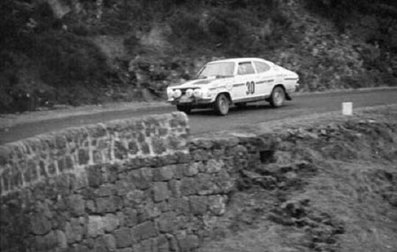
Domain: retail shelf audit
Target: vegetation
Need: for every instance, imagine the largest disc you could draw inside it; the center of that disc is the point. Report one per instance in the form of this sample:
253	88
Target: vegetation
77	52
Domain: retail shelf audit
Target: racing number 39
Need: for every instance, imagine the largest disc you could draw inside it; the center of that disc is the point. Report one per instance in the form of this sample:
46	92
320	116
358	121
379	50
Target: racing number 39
250	87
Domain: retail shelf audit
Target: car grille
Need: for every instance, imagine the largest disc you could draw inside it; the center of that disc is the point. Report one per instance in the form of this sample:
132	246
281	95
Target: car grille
183	90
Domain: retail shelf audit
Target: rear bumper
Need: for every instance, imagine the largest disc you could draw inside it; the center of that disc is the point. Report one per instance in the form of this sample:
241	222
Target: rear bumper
291	91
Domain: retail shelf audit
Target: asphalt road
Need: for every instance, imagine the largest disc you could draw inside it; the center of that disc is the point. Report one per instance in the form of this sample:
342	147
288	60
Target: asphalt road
203	121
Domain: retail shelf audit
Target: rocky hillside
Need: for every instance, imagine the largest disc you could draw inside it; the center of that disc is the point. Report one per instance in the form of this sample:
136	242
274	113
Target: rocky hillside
73	52
327	187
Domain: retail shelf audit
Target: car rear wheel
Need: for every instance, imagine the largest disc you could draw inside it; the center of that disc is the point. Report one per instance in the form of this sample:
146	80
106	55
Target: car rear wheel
184	108
222	104
277	97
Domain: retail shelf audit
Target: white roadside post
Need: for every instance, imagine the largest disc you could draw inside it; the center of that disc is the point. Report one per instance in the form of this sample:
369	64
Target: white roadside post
347	108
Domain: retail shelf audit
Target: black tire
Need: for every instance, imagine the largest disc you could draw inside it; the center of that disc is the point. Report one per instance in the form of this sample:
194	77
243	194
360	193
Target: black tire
184	108
222	105
277	97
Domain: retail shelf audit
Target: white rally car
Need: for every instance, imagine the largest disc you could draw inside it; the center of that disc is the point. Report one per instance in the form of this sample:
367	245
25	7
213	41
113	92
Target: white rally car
221	83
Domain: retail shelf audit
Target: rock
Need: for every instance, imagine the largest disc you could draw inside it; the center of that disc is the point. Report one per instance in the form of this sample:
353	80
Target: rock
77	205
83	157
175	188
167	222
295	208
144	230
188	242
58	8
99	245
130	217
191	170
111	222
40	224
61	238
217	204
110	242
73	230
160	191
47	242
158	145
149	211
135	196
123	237
206	184
391	197
188	186
214	166
180	205
108	204
141	178
198	205
95	226
162	244
164	173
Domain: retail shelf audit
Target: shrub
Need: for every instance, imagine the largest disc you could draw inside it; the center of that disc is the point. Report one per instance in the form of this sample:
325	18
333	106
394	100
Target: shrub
341	10
186	25
67	59
21	88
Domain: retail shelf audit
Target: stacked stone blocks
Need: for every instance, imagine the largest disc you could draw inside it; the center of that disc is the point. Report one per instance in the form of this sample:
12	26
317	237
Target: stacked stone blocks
135	185
30	161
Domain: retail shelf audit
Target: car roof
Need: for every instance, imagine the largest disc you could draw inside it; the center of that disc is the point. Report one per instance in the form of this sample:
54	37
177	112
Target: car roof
240	60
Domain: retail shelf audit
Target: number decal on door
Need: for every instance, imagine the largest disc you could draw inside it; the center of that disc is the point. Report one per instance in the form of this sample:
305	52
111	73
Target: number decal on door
250	88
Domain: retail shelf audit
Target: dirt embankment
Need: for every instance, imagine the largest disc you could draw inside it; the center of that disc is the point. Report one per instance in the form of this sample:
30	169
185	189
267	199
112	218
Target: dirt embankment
329	187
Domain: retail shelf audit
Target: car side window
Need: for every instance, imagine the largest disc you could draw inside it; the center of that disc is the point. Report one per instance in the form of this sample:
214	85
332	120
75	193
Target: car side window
261	67
245	68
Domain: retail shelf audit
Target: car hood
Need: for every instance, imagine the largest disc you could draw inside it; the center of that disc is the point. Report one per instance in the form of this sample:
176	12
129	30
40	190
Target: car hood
195	83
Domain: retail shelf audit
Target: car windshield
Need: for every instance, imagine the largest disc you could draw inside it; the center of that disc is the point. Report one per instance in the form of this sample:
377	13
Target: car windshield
216	69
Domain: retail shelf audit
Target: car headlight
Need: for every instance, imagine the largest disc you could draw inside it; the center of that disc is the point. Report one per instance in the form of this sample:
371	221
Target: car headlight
198	93
177	93
170	93
189	92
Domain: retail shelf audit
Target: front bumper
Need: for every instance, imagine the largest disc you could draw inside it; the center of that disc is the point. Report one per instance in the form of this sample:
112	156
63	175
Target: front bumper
191	101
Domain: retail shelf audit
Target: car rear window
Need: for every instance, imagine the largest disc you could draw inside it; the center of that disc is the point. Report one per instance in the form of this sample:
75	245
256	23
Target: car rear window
245	68
261	66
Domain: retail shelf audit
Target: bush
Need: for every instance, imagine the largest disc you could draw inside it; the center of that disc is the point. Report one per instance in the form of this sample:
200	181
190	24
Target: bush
186	25
233	31
38	66
21	88
342	10
68	59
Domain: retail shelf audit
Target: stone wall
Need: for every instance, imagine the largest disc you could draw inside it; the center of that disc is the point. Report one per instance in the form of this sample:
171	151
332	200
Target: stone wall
133	185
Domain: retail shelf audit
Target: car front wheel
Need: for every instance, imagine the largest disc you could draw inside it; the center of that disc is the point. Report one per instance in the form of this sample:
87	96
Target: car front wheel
277	97
222	104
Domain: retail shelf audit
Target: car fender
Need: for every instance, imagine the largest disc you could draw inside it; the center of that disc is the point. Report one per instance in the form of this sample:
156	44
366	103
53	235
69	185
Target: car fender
225	93
229	86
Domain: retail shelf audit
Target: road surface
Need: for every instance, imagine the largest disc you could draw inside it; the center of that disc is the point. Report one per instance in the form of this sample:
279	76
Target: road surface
203	121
